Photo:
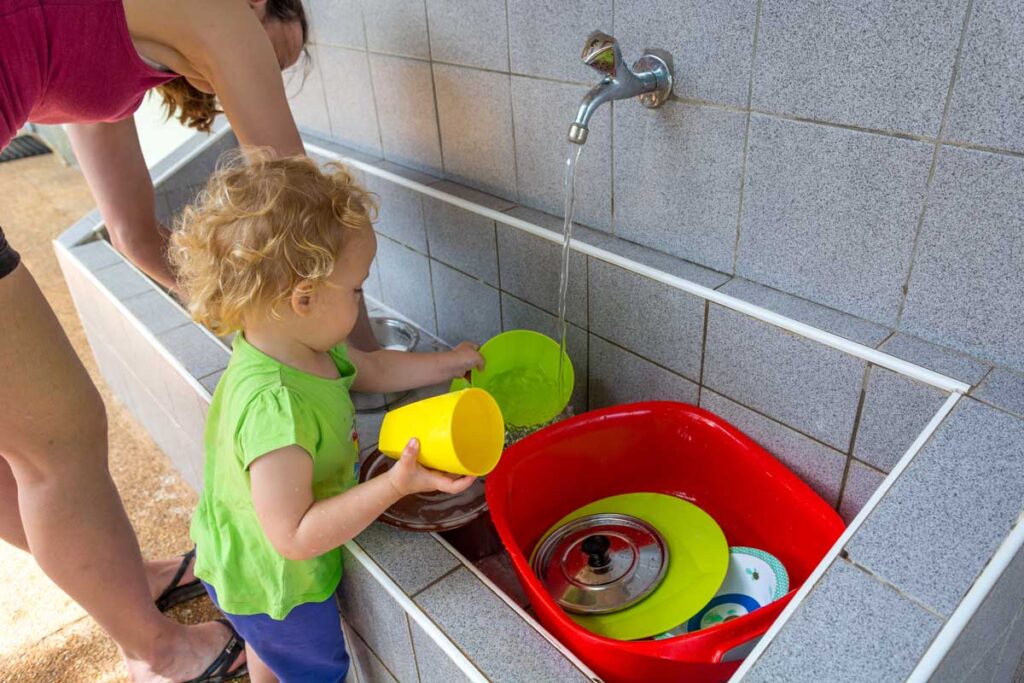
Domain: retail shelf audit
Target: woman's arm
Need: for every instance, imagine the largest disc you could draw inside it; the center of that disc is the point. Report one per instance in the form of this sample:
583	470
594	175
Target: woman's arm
384	371
231	49
300	528
113	165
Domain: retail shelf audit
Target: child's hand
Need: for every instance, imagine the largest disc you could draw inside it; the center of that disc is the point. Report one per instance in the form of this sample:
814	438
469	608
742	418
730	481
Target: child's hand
408	476
464	358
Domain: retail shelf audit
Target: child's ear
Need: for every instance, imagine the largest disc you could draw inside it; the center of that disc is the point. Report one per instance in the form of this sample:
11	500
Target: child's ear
302	298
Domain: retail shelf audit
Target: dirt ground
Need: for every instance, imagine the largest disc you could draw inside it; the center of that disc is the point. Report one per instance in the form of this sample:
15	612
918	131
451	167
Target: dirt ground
46	636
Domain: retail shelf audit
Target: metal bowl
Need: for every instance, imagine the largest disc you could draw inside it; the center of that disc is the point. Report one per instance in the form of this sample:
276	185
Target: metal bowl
394	334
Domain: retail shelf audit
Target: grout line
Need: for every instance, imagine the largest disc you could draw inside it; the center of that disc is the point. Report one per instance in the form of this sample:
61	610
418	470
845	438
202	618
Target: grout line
889	584
746	137
373	88
523	614
860	407
980	382
918	229
758	312
719	105
838	547
847	466
433	89
412	648
436	581
886	339
414	611
323	87
703	346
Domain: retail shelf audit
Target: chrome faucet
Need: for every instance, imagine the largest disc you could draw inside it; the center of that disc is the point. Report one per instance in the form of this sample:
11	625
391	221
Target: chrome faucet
650	80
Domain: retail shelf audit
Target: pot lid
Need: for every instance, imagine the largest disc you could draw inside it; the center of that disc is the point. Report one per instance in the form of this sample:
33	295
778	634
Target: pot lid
601	563
432	511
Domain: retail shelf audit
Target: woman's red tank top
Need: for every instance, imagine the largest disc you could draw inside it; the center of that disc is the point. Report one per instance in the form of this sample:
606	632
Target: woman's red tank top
68	61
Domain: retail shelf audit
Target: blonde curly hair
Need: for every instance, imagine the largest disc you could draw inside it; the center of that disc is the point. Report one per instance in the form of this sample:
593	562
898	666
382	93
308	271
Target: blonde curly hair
261	226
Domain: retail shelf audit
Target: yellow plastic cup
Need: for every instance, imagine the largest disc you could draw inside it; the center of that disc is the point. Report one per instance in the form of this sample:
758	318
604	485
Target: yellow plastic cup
460	432
521	372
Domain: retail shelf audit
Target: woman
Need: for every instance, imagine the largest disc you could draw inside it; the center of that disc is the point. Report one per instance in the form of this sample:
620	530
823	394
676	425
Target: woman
89	63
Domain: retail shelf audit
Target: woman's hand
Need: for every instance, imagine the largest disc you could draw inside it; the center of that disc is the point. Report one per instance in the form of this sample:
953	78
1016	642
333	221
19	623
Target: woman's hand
408	476
464	358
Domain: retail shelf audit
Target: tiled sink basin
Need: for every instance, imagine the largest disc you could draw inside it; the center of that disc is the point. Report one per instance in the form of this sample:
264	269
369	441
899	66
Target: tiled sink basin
873	421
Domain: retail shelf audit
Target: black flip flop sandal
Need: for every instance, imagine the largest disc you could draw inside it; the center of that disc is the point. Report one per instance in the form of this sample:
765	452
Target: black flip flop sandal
220	671
176	593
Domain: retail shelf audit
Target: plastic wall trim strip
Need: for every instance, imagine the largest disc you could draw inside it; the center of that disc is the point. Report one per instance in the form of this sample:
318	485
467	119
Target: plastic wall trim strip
866	353
417	614
969	606
851	530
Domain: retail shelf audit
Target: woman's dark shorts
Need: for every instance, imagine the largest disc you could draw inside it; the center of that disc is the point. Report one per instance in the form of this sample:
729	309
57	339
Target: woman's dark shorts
9	258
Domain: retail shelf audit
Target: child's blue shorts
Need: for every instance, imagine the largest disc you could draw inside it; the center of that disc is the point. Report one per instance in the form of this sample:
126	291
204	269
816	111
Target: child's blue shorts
307	645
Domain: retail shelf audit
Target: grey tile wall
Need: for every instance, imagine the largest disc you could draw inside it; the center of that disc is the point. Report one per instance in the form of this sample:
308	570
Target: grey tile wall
467	309
529	268
405	279
937	358
338	23
820	466
473	38
830	214
305	90
475	112
658	322
434	665
712	43
861	483
791	379
473	616
825	213
677	179
985	644
546	38
353	114
885	432
618	376
985	109
463	239
542	112
967	284
876	64
378	619
913	530
883	632
394	549
397	27
806	311
400	216
1003	389
403	90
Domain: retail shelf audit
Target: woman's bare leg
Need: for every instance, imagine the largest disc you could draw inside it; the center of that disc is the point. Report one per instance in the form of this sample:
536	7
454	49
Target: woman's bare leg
258	671
53	436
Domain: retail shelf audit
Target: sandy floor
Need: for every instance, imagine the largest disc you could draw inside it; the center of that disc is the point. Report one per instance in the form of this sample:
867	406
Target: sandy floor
45	636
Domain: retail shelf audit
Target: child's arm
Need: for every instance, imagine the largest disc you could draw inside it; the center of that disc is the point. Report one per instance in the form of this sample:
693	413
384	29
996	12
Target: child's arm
383	371
300	528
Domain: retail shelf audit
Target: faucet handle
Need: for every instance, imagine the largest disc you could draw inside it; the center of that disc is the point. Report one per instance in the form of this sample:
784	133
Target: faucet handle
601	52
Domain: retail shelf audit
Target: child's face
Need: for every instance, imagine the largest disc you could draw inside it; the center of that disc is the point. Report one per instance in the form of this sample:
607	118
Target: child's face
332	308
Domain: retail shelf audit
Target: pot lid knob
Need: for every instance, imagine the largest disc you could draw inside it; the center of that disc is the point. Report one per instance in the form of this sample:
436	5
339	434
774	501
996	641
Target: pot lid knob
596	547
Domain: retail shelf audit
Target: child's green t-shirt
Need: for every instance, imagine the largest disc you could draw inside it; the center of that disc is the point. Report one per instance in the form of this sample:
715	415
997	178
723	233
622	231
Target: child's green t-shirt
261	405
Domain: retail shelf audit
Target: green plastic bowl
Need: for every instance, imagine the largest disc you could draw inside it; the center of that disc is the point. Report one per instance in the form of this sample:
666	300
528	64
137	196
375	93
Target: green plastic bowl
521	373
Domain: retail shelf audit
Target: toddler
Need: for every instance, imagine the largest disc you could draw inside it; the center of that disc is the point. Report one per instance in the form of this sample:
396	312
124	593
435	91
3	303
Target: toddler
277	250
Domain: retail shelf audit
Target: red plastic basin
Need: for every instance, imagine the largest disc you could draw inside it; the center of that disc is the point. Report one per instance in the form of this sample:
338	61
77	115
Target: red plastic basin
669	448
